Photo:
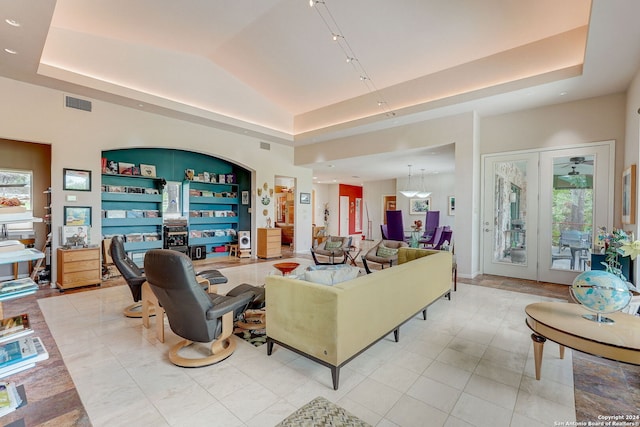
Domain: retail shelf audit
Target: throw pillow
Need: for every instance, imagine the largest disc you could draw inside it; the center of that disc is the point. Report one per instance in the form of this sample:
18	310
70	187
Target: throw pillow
385	252
331	275
333	244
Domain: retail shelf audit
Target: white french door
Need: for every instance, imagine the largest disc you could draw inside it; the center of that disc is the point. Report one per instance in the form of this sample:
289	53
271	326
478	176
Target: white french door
510	215
578	199
541	211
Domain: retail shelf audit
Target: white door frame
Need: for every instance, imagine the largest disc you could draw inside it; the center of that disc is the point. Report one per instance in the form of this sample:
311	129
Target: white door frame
603	218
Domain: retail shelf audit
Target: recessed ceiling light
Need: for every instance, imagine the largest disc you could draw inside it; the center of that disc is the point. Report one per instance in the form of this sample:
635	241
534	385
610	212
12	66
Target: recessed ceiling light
12	22
11	51
563	93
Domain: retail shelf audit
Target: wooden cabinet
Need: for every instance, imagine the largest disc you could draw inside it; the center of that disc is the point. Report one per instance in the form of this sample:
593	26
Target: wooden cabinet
269	243
78	267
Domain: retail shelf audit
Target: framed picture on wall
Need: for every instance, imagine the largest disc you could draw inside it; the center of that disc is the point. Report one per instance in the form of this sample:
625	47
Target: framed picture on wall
77	215
629	195
419	206
305	198
76	180
245	197
452	205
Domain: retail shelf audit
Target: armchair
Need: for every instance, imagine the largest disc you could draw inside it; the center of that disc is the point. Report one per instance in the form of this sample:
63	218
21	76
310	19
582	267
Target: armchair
376	255
135	277
132	274
334	247
193	314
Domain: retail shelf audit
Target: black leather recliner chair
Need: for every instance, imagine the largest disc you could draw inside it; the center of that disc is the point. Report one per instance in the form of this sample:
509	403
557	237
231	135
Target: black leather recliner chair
193	314
134	275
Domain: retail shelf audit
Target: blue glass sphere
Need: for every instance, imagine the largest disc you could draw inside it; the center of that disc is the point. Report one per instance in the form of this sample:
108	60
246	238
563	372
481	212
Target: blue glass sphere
600	291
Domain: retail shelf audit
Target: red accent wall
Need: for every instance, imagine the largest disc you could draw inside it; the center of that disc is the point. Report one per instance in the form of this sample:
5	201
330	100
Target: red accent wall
353	192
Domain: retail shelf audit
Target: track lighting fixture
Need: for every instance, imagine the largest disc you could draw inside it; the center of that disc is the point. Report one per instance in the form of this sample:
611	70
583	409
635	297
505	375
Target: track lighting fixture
337	35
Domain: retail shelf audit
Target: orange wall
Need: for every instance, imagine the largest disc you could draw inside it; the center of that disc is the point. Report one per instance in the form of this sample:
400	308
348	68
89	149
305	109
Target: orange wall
353	192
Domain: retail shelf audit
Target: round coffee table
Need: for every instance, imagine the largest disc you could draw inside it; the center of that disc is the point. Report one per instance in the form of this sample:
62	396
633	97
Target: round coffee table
563	323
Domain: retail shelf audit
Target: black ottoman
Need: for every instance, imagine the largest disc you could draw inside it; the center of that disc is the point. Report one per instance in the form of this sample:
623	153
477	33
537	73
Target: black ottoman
258	301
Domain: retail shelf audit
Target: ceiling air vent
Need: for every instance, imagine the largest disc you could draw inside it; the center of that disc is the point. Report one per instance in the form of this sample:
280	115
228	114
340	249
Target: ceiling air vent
79	104
265	145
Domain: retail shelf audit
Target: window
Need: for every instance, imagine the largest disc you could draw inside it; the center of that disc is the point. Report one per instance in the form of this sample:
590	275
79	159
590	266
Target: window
16	186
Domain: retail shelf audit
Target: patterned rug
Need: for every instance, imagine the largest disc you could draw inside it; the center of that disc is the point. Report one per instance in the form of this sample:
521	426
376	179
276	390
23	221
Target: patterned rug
321	413
254	336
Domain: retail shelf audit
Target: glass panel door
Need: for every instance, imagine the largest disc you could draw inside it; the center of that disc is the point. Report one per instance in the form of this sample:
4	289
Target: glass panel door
510	215
577	199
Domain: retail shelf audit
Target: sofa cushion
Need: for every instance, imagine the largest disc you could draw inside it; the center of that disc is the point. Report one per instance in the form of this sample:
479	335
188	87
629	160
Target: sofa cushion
333	244
385	252
331	275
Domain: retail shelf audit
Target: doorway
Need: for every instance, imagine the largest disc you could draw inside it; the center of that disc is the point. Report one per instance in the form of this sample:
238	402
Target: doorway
541	209
285	208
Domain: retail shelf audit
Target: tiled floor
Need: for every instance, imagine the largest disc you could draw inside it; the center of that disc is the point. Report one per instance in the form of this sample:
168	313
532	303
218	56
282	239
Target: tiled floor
469	364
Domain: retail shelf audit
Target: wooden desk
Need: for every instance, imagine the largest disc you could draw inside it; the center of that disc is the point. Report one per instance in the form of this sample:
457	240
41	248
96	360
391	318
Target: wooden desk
563	323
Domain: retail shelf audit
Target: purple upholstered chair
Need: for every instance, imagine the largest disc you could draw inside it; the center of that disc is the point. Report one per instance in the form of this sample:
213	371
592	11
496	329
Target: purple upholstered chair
435	238
431	223
384	231
395	226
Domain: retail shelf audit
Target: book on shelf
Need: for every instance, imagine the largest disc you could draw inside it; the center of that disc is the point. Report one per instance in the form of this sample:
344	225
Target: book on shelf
14	327
41	354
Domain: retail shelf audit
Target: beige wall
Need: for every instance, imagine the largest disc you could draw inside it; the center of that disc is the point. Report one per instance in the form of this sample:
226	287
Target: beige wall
632	147
590	120
36	114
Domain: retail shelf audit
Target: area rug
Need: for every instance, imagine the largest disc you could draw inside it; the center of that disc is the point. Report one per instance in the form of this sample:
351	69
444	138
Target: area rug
321	413
254	336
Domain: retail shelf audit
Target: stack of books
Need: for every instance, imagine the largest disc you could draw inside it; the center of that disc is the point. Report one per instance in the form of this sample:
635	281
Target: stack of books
17	288
10	398
18	349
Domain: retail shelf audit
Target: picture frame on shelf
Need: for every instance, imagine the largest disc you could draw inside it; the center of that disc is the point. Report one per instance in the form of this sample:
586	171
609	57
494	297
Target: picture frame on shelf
305	198
126	168
77	215
76	180
452	205
419	206
629	195
111	167
75	235
148	170
245	197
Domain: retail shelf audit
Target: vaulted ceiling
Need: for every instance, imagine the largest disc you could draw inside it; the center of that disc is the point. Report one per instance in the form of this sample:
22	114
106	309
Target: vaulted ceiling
271	68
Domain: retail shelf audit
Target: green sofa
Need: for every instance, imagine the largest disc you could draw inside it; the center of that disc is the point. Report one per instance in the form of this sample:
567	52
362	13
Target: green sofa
331	325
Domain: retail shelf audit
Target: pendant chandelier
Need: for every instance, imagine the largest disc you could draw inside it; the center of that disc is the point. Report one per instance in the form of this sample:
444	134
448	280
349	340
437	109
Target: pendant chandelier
409	191
423	193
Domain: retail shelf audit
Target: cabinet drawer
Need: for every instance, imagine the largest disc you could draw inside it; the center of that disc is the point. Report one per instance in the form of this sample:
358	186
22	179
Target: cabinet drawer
81	276
273	239
81	255
71	267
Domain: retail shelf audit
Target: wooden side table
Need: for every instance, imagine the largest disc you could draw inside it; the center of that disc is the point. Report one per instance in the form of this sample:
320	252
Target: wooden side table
78	267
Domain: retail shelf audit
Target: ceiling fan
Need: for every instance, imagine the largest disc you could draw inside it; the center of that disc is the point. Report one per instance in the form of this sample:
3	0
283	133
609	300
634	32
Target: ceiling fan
575	161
